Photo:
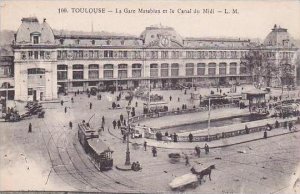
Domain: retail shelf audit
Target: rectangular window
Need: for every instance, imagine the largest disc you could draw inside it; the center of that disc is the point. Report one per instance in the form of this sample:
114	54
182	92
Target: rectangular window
77	74
30	92
164	54
42	54
96	54
108	73
77	84
62	75
30	54
91	54
189	54
35	39
36	54
80	54
93	74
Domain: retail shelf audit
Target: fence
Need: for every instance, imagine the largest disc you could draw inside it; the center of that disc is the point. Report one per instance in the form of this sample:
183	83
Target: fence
179	112
223	135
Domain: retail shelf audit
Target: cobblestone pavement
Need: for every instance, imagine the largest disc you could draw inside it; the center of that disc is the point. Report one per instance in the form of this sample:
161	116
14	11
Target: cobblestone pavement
51	158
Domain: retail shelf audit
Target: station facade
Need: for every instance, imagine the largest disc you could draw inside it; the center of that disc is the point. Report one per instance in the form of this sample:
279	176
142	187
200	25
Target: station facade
47	61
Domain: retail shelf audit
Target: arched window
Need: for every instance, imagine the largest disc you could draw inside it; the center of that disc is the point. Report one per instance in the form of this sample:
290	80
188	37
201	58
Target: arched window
222	68
136	70
122	71
108	71
174	69
153	70
77	71
93	71
212	69
164	70
189	69
201	69
232	68
62	72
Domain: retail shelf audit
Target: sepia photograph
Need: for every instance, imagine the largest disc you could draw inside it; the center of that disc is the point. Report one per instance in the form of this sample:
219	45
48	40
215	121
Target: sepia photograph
165	96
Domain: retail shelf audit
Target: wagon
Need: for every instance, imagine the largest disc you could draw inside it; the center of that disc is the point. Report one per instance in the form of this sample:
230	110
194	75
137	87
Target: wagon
184	181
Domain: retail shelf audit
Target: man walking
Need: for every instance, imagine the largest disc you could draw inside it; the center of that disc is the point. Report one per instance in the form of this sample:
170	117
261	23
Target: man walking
91	105
29	128
145	145
114	124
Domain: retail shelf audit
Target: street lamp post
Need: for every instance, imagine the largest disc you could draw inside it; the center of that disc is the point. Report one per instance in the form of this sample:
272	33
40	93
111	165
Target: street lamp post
208	124
127	162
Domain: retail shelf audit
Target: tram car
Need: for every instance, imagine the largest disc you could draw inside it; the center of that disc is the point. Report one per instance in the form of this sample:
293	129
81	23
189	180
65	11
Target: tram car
99	153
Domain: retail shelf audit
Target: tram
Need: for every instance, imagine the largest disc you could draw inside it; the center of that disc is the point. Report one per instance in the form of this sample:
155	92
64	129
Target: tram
99	153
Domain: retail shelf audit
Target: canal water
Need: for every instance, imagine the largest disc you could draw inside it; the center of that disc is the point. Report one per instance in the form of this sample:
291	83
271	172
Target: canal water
213	123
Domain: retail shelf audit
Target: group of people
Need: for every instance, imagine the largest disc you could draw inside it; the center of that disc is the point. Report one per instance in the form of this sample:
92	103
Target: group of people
198	150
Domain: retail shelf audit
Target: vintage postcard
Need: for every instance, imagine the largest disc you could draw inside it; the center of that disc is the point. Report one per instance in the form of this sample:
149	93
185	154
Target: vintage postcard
150	96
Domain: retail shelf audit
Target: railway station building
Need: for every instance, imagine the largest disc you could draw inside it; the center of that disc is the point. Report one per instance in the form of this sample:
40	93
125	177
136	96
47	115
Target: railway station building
47	62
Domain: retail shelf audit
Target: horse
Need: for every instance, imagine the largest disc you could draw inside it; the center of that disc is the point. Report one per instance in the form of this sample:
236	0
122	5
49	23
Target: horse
204	172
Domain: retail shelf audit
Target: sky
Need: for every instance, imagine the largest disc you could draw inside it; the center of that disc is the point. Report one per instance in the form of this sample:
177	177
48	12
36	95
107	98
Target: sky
255	19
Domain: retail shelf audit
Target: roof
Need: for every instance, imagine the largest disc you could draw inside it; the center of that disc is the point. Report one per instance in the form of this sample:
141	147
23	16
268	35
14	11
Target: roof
31	26
279	37
98	145
254	91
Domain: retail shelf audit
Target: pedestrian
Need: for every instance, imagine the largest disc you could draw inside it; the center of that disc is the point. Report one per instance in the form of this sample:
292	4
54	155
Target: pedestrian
124	122
75	94
154	151
91	105
187	160
178	99
72	100
175	137
191	137
198	151
29	128
265	134
65	109
70	124
121	117
246	129
206	147
276	124
119	124
100	97
145	145
62	102
124	138
103	120
114	124
290	126
136	104
170	98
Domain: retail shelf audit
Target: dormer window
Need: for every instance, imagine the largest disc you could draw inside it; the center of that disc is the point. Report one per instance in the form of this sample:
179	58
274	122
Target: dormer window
93	42
108	42
122	42
77	41
35	37
61	41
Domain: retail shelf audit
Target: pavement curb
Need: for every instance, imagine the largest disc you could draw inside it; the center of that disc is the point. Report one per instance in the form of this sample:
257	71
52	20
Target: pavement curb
213	147
123	168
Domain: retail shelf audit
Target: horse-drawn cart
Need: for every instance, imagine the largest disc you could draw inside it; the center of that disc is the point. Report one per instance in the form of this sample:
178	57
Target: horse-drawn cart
184	181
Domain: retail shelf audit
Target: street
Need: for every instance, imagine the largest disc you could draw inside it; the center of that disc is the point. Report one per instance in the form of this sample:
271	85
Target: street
51	157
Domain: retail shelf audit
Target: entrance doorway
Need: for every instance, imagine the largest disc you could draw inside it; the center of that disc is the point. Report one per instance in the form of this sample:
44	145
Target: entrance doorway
34	95
41	96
